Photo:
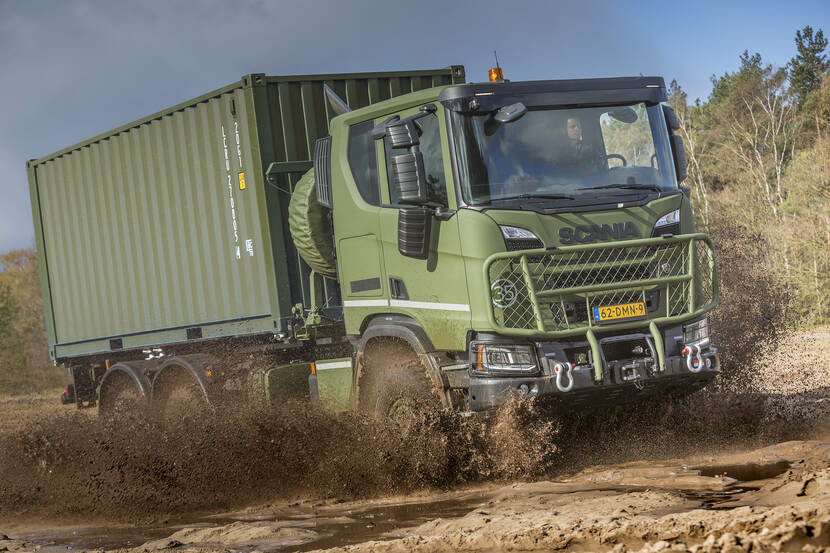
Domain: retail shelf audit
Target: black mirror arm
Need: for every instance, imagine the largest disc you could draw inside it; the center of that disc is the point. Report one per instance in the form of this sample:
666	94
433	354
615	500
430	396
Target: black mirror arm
443	213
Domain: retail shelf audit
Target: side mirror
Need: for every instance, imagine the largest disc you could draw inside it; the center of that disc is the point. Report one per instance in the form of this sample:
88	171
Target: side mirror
413	231
402	134
671	118
624	114
679	153
407	170
409	177
505	114
508	114
678	150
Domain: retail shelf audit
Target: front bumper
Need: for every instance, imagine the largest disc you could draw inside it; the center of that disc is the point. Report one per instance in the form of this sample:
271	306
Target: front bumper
488	393
603	373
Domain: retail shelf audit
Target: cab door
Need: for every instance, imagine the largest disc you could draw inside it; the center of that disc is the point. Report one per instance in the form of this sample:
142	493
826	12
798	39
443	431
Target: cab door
433	291
357	226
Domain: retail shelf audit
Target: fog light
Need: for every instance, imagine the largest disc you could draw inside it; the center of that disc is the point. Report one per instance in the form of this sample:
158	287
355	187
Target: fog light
523	389
696	332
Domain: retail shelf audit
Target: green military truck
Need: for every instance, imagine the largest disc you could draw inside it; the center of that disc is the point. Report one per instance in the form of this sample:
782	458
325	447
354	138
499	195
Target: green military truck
375	240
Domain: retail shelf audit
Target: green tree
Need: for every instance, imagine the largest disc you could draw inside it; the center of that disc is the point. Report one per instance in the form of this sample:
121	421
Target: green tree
753	127
809	64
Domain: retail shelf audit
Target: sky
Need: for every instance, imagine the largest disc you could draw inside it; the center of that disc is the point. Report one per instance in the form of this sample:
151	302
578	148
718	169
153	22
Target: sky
70	70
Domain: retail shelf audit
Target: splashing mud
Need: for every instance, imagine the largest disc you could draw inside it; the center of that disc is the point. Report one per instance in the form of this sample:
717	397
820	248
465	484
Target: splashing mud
135	468
139	470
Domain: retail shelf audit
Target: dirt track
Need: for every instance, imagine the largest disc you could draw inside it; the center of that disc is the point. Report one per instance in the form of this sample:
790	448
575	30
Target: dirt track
737	487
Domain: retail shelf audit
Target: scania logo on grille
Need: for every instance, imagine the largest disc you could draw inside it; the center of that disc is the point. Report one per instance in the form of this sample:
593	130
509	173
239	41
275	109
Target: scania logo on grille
584	234
503	292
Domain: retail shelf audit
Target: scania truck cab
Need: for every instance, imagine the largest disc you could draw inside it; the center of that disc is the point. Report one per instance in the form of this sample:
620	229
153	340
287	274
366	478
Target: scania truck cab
523	238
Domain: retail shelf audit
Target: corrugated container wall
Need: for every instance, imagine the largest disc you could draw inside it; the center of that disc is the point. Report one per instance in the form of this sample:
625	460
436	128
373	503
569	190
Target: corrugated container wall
166	230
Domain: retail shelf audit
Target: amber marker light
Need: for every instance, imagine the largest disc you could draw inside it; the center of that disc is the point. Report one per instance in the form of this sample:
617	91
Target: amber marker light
314	368
496	74
479	365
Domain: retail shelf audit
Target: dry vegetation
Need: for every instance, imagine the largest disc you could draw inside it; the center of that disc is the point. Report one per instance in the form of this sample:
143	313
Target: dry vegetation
25	366
759	169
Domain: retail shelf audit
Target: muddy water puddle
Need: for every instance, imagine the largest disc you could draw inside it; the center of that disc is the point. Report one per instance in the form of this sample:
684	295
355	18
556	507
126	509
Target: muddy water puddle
94	538
312	529
747	475
747	472
387	520
316	526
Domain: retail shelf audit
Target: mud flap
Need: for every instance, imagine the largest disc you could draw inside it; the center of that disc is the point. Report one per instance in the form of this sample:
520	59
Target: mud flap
282	383
334	380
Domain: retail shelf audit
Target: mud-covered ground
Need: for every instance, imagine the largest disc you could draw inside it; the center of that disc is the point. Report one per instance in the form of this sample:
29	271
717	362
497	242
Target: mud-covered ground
744	467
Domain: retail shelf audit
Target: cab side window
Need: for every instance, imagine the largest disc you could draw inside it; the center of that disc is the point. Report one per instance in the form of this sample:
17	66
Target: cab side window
430	138
363	161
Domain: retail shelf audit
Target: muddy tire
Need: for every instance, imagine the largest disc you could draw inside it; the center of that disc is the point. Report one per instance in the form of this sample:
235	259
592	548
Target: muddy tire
394	383
120	398
176	396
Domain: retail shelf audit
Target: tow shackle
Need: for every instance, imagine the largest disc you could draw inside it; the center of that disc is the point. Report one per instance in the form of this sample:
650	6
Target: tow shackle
694	361
564	378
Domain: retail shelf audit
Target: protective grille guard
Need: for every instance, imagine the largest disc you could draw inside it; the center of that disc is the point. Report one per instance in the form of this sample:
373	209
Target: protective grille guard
532	292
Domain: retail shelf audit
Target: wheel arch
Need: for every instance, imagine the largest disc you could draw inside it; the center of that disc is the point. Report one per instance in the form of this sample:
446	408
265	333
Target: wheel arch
135	372
403	329
398	326
191	365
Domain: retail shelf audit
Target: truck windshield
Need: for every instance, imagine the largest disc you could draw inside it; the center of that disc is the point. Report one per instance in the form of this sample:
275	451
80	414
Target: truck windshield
564	156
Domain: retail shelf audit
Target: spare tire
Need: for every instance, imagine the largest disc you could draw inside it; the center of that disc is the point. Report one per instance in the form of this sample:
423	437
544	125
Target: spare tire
310	227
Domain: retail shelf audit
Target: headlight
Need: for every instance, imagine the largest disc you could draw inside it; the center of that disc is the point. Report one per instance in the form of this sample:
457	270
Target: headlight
517	238
696	332
667	224
671	218
503	359
516	232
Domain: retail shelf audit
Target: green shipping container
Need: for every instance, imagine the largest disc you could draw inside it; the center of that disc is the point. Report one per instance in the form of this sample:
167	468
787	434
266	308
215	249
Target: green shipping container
165	230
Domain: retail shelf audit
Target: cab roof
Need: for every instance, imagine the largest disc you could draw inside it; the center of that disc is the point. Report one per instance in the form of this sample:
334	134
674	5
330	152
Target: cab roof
559	92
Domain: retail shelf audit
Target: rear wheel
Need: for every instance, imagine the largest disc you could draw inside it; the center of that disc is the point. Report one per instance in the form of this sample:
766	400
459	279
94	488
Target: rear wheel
394	383
120	396
176	395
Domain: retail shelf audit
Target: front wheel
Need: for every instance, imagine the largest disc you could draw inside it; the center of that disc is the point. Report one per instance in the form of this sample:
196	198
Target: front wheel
394	383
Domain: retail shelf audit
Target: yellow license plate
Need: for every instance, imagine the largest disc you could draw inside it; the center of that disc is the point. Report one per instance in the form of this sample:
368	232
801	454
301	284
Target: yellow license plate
622	311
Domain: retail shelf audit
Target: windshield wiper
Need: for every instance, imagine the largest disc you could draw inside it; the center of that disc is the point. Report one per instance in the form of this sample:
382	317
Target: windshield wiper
539	196
627	187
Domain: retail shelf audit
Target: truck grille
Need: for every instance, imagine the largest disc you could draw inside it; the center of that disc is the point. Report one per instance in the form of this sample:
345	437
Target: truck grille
557	291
